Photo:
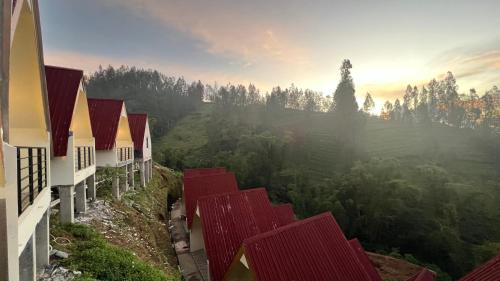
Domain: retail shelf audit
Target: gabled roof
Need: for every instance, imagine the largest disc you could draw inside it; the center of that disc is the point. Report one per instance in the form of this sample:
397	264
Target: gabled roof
425	275
227	219
285	213
137	123
62	88
311	249
188	173
365	260
490	271
196	187
105	118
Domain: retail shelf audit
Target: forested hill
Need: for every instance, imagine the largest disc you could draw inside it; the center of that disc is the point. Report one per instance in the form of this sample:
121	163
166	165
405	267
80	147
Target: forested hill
166	99
428	194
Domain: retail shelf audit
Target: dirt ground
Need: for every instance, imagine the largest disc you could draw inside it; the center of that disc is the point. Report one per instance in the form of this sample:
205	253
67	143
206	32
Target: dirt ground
391	268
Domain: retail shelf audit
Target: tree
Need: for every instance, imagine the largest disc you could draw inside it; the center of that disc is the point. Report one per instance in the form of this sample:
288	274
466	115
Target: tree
369	104
406	113
432	100
387	111
397	115
345	105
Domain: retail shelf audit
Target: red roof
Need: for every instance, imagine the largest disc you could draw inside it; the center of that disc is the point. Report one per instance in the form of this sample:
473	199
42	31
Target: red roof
105	118
490	271
311	249
423	275
196	187
285	213
365	260
188	173
137	123
228	219
62	88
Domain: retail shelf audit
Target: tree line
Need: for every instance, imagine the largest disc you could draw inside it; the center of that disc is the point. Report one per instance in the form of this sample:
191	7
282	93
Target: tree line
440	101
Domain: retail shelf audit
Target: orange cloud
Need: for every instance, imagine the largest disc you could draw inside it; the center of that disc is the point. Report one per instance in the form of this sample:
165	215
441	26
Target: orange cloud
224	30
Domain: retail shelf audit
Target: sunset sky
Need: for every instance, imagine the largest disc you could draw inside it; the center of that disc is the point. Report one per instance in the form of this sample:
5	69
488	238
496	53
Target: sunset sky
270	43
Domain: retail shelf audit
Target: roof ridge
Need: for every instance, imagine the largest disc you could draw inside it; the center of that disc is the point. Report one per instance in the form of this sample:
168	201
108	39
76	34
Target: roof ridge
64	68
287	227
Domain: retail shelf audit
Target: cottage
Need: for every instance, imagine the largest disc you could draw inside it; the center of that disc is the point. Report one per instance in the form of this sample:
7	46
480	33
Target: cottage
311	249
139	127
113	142
25	128
237	216
197	187
73	158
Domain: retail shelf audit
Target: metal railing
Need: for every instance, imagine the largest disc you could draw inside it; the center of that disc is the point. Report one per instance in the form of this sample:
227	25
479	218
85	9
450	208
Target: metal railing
31	175
84	157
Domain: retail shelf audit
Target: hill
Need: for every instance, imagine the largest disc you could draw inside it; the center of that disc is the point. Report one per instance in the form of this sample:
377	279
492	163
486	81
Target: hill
425	193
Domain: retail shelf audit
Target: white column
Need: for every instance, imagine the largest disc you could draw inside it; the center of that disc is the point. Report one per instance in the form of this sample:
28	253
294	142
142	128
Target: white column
9	263
124	181
42	243
131	175
115	187
91	188
142	173
27	261
66	204
81	197
150	169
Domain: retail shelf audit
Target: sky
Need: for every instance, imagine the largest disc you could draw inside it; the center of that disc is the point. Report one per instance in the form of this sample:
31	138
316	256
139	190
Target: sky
276	43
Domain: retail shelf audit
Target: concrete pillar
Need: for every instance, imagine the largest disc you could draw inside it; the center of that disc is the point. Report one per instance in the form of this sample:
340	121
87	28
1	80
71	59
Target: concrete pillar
115	187
150	171
42	243
91	188
67	204
131	175
27	261
142	173
9	260
81	197
124	181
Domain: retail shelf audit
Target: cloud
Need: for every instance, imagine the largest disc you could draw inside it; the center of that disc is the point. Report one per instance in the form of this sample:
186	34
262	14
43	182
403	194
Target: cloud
89	63
226	29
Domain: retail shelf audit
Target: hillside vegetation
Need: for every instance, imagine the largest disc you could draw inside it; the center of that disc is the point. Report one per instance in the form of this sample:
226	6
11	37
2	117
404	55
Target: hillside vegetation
420	192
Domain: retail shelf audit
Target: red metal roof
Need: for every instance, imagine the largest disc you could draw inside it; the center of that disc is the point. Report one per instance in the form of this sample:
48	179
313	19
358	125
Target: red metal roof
227	219
311	249
188	173
423	275
105	118
137	123
365	260
490	271
62	88
196	187
285	213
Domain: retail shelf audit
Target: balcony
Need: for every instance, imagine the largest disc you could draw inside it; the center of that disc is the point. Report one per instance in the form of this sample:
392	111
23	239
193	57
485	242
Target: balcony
124	154
31	175
84	157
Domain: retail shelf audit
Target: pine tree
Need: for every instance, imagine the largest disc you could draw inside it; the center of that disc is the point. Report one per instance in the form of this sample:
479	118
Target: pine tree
369	104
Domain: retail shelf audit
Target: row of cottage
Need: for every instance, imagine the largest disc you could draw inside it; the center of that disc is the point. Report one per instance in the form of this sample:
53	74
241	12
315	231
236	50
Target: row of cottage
243	236
53	140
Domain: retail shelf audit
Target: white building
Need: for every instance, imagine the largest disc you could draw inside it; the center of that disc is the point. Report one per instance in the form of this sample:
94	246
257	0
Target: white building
24	166
139	127
113	141
73	146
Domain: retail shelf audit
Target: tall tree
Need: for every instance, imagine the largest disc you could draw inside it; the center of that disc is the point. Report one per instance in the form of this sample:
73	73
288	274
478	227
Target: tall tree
345	105
369	104
397	115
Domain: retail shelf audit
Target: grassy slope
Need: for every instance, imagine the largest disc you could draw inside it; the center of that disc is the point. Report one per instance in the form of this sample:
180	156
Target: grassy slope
136	246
